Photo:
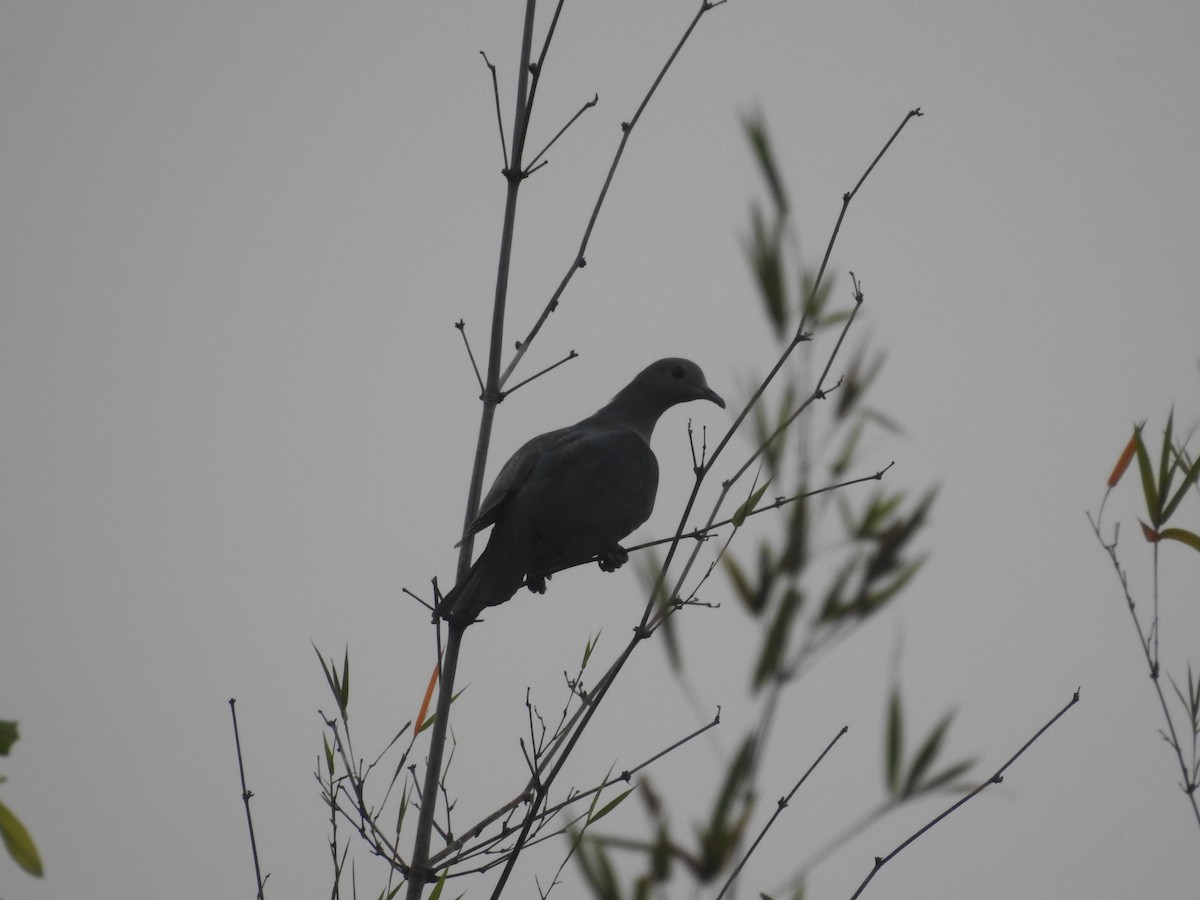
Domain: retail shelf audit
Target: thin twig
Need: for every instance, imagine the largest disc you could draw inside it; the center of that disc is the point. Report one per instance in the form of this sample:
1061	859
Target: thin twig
881	861
520	384
580	260
1171	737
779	808
533	164
462	329
499	117
246	795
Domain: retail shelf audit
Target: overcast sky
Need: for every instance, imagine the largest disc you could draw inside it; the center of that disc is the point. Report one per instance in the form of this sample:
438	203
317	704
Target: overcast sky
235	416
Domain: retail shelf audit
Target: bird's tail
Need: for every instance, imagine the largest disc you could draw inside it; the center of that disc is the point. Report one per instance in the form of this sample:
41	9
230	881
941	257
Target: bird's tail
492	579
458	605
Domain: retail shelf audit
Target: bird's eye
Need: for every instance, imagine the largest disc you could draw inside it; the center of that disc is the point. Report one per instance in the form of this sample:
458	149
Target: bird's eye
676	371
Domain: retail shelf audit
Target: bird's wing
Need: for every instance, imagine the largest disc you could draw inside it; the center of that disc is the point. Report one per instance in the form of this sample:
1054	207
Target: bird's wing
513	474
588	493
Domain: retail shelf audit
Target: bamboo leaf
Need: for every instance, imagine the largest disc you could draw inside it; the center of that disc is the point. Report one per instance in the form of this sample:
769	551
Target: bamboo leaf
345	694
739	517
741	585
1184	537
587	650
1149	488
893	752
948	775
8	736
610	806
925	758
1166	469
776	639
18	842
1189	480
433	718
436	893
331	678
756	132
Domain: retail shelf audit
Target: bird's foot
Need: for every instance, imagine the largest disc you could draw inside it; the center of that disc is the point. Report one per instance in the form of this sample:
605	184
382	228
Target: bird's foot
612	558
537	583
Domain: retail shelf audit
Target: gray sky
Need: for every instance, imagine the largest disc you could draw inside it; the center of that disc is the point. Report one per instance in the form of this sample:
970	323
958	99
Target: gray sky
237	418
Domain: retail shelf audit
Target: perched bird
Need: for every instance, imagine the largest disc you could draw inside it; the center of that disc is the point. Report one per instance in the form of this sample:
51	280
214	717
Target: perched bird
570	495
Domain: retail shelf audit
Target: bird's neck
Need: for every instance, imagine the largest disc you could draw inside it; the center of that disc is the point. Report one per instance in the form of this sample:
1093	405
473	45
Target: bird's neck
626	410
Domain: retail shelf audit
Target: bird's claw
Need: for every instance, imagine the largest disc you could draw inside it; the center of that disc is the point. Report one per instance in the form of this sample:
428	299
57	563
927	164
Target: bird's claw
612	558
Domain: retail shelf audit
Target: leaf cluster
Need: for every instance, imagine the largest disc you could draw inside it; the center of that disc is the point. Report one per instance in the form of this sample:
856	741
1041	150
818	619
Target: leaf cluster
1166	478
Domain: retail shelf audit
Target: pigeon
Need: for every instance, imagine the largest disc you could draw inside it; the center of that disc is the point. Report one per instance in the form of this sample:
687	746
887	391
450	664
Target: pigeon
571	495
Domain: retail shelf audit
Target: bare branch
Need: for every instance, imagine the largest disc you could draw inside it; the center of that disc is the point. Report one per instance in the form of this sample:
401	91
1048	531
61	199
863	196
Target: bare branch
779	808
499	117
580	259
881	861
246	795
533	165
462	329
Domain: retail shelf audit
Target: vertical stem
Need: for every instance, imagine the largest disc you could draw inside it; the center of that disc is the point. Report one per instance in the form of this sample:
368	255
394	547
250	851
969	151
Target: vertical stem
246	795
437	742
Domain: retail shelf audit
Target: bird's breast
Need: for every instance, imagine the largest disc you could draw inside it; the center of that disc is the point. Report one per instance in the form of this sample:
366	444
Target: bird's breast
600	490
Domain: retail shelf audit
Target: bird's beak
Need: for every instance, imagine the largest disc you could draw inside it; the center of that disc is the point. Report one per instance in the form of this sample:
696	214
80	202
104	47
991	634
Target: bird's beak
710	394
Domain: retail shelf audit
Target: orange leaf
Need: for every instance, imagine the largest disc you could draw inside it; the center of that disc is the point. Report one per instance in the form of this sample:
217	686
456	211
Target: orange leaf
1123	462
1151	535
437	670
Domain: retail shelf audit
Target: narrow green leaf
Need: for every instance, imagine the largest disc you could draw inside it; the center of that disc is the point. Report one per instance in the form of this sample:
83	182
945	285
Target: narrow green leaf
436	893
764	254
1166	469
815	301
872	601
610	806
20	845
878	511
750	596
913	783
835	606
587	651
739	517
1189	480
597	870
661	855
756	132
596	796
328	755
8	736
845	459
775	641
403	808
1149	488
893	747
331	679
795	549
345	693
739	770
433	717
948	775
1184	537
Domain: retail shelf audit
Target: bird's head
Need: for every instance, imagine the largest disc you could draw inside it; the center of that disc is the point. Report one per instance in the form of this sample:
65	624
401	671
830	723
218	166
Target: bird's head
673	380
